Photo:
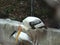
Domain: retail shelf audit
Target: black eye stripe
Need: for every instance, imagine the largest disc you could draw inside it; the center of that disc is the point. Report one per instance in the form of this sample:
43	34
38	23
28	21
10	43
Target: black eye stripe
33	23
43	27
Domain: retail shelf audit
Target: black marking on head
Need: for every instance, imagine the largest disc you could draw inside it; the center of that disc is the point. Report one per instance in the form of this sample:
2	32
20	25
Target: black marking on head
33	23
43	27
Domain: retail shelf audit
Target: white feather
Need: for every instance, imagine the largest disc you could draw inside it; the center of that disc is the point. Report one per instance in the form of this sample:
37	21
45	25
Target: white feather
22	36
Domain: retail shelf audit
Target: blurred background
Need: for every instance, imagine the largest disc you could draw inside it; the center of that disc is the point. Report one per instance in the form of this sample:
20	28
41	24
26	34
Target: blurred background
19	9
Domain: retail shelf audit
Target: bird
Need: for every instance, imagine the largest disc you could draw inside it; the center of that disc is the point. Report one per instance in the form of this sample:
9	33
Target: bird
32	22
27	24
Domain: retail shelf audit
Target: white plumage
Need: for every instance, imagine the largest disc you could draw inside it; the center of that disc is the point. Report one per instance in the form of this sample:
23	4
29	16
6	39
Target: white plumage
36	22
23	36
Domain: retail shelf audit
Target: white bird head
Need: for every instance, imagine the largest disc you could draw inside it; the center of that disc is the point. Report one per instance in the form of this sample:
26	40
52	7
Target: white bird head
33	23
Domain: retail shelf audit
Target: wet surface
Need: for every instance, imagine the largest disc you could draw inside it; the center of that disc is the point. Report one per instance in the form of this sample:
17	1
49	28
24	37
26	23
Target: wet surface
51	37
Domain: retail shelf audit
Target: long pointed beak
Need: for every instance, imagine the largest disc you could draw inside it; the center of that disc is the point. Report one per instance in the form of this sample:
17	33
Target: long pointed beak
18	33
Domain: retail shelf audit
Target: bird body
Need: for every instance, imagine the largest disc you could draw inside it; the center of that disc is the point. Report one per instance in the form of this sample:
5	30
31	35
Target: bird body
27	24
22	37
